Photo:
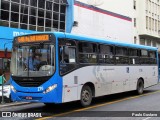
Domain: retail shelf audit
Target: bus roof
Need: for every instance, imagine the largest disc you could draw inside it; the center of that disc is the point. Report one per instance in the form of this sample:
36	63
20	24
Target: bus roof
98	40
107	41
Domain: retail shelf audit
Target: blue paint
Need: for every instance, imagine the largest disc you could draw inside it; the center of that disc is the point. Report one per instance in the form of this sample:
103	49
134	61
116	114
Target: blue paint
10	33
107	41
7	34
5	43
55	96
69	16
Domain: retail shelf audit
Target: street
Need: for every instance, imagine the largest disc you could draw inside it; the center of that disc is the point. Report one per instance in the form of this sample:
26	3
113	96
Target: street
110	107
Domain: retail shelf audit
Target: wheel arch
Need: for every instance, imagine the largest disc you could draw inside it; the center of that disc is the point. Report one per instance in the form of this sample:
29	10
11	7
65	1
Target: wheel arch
92	86
141	78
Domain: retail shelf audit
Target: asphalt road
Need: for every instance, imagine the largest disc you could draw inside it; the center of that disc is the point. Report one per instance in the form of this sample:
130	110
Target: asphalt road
123	106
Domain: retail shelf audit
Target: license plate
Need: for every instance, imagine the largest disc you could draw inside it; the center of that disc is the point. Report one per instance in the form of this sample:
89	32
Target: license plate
28	98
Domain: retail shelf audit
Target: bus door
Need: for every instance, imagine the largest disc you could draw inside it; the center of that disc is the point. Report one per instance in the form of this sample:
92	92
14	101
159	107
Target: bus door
67	64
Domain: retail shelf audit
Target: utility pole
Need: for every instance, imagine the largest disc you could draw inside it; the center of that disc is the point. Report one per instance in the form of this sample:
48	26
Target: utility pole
2	87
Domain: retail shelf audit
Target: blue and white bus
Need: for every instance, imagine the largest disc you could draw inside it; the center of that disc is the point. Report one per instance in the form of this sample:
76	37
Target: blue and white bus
75	68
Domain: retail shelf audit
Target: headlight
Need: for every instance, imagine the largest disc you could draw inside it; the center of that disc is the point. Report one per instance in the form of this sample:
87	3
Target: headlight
50	88
13	89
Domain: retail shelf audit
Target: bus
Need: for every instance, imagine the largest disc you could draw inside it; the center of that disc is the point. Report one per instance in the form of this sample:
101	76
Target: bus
78	68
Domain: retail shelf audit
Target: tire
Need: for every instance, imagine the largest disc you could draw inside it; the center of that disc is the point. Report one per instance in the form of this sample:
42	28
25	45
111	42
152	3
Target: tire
140	87
10	100
49	104
86	96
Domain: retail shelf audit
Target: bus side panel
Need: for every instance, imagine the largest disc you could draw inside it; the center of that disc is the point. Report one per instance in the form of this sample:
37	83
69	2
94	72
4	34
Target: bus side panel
107	79
148	73
74	81
70	87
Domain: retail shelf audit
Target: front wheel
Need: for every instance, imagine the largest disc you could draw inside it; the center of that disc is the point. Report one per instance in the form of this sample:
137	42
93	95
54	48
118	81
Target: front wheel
86	96
140	87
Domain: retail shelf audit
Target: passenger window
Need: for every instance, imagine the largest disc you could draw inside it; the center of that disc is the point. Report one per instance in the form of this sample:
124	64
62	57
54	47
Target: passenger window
87	52
152	57
144	58
121	55
133	56
106	54
144	53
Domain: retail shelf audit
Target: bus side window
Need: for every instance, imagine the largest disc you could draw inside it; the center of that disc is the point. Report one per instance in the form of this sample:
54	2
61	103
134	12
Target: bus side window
106	54
152	57
133	56
144	57
87	52
121	55
67	56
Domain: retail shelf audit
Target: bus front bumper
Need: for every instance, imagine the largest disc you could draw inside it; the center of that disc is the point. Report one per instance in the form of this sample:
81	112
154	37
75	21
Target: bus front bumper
50	97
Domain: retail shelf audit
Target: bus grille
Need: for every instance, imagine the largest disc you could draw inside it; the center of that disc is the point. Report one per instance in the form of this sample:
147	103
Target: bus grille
30	82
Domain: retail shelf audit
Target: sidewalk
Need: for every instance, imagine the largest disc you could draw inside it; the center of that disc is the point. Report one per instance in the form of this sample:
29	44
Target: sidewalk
13	104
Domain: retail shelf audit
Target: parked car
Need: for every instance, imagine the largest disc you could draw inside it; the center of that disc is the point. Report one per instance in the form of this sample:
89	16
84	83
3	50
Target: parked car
6	91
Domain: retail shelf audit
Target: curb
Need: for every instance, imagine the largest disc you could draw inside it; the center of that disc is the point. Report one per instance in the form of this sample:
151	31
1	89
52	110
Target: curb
14	104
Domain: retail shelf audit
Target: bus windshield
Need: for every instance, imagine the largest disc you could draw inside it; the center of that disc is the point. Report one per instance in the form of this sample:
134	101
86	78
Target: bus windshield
33	60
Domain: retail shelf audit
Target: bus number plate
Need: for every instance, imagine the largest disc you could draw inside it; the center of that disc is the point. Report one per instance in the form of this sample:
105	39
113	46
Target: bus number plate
28	98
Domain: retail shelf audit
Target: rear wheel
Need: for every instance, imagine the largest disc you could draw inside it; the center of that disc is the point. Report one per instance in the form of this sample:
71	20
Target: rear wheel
140	86
86	96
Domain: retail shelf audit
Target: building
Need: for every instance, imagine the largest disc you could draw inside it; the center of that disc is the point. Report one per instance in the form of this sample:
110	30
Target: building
147	22
109	19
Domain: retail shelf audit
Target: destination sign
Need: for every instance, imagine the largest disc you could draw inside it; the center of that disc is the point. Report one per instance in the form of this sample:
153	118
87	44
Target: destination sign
33	38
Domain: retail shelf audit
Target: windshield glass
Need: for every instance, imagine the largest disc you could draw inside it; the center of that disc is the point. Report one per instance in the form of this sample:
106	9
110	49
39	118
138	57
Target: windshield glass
33	61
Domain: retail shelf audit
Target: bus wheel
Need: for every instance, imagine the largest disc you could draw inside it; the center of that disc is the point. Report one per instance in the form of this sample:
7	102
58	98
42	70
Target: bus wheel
49	104
140	86
10	100
86	96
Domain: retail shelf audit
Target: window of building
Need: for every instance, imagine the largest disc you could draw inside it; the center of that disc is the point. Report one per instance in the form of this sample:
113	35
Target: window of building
142	41
44	14
134	22
135	39
134	4
146	22
153	43
152	24
149	23
146	5
156	25
148	42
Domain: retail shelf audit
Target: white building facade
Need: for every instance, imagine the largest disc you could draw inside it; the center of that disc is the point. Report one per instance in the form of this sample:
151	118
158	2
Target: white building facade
111	19
147	22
